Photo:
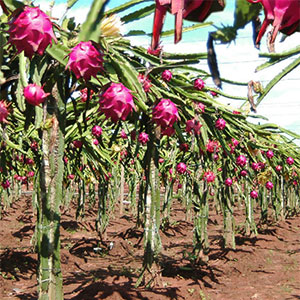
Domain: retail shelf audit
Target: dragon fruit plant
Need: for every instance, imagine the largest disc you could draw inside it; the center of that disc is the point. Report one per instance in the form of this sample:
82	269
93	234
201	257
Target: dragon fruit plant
31	31
116	102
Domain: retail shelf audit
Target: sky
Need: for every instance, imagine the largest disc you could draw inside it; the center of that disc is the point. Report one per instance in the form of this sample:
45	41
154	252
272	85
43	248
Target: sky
237	61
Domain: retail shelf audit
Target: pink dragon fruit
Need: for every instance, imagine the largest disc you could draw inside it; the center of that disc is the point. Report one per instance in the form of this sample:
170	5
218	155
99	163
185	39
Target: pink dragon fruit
85	60
5	184
181	168
161	160
143	138
165	113
96	131
30	174
282	14
3	112
243	173
168	131
95	142
213	94
166	75
241	160
77	144
145	81
220	124
116	102
278	168
289	160
84	94
235	142
269	185
200	107
31	31
213	146
184	147
193	126
228	182
254	194
34	94
255	166
123	135
199	84
209	176
269	154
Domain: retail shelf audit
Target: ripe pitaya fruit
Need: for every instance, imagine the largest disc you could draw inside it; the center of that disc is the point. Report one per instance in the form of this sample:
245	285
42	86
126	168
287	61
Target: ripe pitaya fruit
116	102
34	94
282	14
30	174
220	124
255	166
123	135
166	75
254	194
181	168
278	168
168	131
209	176
228	182
77	144
165	113
213	146
193	126
143	138
85	60
3	112
145	81
84	94
269	154
200	107
269	185
241	160
95	142
5	184
244	173
199	84
289	160
184	147
31	31
96	131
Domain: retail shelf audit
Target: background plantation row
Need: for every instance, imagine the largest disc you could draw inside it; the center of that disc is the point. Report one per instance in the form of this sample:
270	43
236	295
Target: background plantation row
87	117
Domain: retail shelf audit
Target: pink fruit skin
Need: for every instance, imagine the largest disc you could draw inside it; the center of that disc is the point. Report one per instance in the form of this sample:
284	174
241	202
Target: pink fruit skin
289	160
199	84
96	131
228	182
220	124
5	184
269	154
123	135
95	142
201	107
34	94
165	113
209	176
181	168
143	138
212	146
166	75
3	112
243	173
278	168
282	14
116	102
253	194
241	160
85	60
269	185
31	31
77	144
255	166
193	126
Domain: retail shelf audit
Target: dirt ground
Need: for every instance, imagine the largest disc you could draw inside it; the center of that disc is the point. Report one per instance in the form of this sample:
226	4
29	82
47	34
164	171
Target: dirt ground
264	267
